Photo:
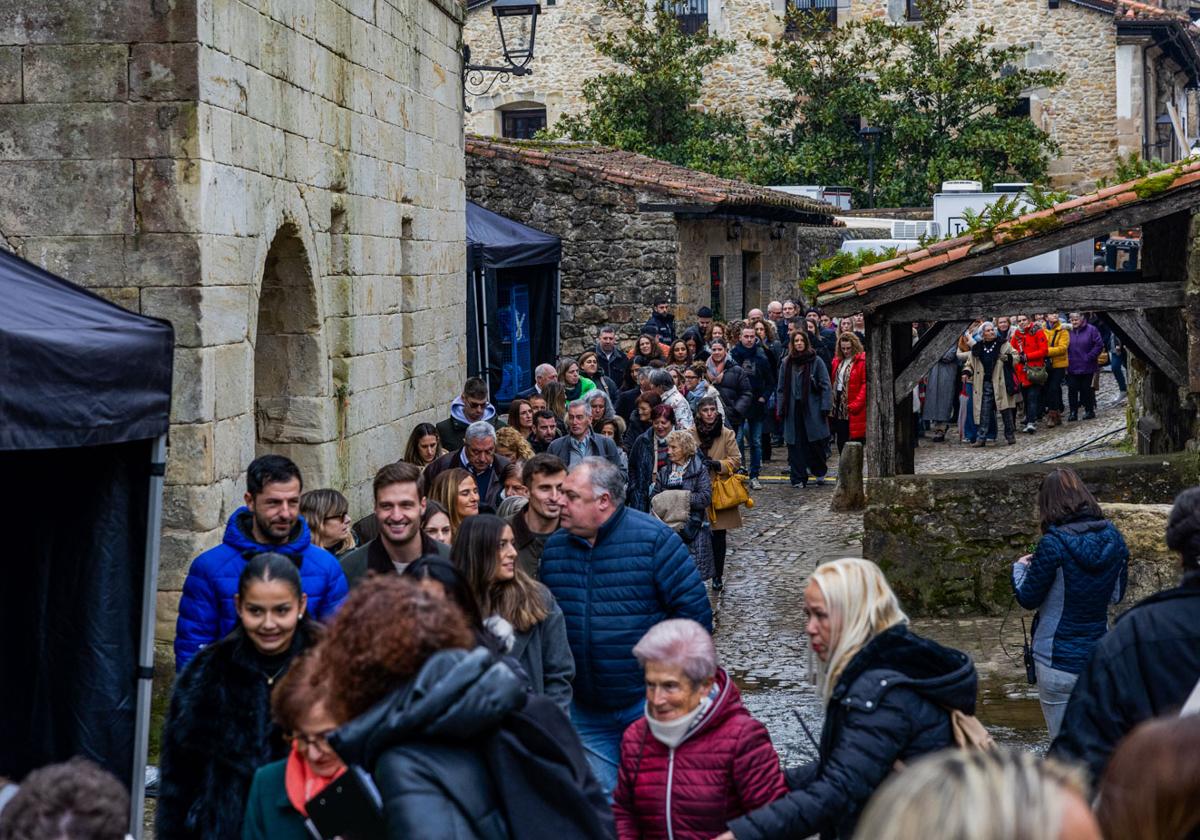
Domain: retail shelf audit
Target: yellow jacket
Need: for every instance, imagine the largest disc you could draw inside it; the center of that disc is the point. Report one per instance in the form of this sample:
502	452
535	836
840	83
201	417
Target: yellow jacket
1057	341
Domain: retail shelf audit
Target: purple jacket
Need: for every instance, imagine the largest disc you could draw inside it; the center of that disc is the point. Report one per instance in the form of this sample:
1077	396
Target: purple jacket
1085	346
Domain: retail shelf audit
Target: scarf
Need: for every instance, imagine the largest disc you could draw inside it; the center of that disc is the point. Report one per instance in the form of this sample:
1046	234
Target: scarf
672	732
301	782
797	364
843	373
660	451
708	434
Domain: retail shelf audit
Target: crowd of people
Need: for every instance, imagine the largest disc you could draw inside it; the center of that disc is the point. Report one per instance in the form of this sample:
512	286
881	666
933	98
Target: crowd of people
517	640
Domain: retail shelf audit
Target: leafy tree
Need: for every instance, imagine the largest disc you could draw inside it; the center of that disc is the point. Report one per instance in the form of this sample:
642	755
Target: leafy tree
944	98
647	105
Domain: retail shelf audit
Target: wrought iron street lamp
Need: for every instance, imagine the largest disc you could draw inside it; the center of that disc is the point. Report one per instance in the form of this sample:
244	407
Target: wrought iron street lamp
517	22
870	136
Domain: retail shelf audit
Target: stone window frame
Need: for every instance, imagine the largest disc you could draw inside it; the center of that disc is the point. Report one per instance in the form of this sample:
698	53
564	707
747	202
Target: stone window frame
523	111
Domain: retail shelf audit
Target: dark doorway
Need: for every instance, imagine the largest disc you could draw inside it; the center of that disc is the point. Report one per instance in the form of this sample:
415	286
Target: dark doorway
716	276
751	281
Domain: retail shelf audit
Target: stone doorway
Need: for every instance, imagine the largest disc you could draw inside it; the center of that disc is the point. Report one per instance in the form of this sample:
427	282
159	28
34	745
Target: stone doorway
292	406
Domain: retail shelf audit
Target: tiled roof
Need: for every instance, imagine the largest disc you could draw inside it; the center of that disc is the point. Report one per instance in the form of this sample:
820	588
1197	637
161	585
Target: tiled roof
676	184
1134	10
910	264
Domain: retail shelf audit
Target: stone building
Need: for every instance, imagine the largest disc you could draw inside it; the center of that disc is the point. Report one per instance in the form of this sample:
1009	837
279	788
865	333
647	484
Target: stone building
1124	61
284	182
633	228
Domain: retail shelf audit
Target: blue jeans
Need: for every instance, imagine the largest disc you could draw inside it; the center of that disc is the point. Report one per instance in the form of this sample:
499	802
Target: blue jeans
751	433
1117	364
1054	690
600	730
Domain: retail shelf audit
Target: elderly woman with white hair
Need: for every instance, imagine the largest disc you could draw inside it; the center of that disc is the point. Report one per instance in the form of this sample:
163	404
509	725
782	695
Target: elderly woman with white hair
697	759
681	495
991	368
888	697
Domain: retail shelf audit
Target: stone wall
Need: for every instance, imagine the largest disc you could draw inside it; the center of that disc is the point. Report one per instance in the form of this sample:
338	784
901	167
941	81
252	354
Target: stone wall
615	258
947	542
565	56
284	182
1081	114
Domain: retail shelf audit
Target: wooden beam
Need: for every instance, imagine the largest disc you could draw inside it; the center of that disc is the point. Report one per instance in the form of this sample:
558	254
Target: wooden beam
941	336
936	306
996	256
881	408
1149	343
903	453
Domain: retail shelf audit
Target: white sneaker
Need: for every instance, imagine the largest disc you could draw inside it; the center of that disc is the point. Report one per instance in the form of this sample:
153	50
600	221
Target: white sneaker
822	480
1029	428
755	484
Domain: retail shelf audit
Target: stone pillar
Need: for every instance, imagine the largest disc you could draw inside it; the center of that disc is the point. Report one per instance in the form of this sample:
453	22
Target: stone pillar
849	494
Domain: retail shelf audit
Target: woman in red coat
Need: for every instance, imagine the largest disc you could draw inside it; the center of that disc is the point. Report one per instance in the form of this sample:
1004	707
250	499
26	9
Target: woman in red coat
697	759
1031	343
849	415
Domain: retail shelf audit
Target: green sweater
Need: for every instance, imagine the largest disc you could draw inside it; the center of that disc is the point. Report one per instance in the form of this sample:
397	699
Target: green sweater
269	814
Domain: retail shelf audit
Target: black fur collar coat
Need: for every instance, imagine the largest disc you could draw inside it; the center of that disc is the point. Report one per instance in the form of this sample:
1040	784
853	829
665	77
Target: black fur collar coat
218	732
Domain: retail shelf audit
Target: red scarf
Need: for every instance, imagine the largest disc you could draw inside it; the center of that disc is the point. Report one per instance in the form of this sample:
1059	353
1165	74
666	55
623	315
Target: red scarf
301	782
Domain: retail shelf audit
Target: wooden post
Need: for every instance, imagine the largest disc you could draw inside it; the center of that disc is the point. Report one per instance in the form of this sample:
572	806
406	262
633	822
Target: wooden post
903	456
881	404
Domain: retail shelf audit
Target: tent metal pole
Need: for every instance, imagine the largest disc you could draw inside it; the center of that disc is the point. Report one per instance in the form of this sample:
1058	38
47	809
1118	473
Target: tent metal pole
145	675
557	313
485	363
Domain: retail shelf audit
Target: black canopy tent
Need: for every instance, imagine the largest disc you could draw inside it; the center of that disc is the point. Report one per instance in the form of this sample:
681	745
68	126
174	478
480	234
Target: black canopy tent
85	398
512	300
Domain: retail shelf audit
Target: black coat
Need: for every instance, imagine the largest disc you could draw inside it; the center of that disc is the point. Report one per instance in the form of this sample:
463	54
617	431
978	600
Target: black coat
890	703
462	752
218	732
1146	666
643	466
662	326
614	368
737	392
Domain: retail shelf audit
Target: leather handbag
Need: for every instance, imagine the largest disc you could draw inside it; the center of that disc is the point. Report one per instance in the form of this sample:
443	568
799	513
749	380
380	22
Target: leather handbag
1037	374
729	491
1102	359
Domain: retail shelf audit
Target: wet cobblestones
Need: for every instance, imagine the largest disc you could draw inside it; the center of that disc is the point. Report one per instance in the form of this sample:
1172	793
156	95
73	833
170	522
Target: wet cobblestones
760	613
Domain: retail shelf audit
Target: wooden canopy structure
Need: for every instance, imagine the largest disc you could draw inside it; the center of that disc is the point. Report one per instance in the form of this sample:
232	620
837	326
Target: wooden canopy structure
944	283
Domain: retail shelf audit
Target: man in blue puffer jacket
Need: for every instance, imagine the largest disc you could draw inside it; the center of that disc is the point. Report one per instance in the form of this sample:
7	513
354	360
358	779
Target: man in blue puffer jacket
615	572
1080	566
270	521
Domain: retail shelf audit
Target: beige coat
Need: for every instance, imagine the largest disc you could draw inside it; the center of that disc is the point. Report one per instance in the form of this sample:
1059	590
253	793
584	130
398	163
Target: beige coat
1003	398
725	451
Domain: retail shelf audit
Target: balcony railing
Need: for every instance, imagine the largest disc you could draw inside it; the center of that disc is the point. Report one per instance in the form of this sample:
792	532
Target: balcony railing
826	9
691	14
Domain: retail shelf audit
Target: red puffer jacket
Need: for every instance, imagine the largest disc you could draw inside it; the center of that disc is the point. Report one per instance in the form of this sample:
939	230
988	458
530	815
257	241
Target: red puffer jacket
1034	346
857	394
725	768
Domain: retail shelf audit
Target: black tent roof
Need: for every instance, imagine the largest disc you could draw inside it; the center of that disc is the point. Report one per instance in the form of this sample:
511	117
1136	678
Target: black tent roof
75	369
499	242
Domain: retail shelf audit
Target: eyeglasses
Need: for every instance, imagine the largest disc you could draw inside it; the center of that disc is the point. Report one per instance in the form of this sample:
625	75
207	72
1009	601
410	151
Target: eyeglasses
319	741
338	517
477	405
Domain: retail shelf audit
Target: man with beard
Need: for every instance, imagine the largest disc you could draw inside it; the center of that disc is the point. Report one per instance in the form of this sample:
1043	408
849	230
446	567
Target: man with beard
269	522
399	506
545	430
543	475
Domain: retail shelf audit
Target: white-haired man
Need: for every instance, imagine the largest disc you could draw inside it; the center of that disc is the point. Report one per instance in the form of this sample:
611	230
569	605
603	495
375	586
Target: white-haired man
477	456
543	375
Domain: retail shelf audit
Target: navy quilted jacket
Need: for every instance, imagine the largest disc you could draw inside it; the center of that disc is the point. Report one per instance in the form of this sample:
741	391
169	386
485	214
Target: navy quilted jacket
206	610
637	574
890	703
1077	570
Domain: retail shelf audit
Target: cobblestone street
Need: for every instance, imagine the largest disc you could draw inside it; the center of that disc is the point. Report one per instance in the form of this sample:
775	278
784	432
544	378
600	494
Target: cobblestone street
760	613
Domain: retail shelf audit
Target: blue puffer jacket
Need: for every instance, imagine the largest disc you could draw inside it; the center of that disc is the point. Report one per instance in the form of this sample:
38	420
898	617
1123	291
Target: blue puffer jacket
637	574
1077	570
206	610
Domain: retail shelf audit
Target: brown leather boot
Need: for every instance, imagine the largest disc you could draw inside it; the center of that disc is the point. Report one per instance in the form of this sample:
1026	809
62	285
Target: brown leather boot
1053	418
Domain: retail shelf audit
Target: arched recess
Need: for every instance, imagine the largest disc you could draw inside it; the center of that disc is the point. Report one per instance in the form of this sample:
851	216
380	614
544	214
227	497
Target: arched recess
291	379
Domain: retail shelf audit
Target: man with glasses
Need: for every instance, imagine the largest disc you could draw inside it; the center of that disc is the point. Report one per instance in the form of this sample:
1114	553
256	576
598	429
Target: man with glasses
477	456
470	407
615	572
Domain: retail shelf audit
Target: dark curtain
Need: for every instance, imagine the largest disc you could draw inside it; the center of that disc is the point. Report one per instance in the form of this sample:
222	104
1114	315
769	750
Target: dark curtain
543	311
70	601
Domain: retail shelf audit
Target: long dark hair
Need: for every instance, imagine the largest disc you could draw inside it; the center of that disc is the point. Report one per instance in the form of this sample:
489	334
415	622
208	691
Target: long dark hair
453	581
476	547
1063	498
411	453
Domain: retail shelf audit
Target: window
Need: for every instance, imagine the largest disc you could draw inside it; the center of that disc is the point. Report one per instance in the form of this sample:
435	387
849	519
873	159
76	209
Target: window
691	14
824	8
524	123
912	11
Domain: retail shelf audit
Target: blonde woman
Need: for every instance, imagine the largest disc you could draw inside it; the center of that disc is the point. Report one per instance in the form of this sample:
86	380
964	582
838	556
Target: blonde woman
513	445
983	795
328	516
887	695
458	494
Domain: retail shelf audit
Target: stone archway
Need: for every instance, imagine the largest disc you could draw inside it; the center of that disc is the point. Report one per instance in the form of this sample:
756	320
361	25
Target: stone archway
292	406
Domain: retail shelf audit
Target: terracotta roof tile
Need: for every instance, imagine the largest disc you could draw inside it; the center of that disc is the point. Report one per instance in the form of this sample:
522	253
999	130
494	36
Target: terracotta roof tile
676	183
1076	210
